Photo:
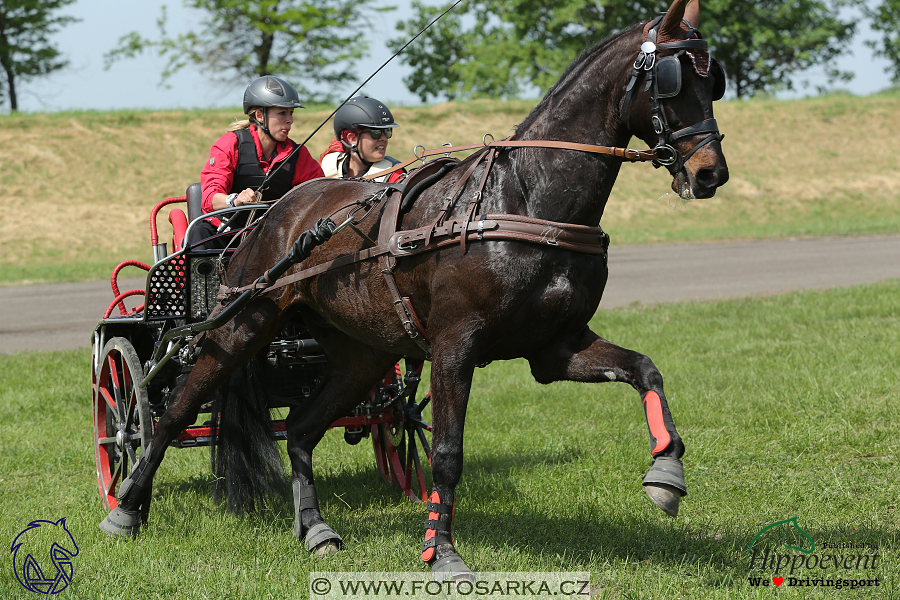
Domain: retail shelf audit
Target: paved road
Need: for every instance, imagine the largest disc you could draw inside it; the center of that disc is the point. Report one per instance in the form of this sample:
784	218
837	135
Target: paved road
62	316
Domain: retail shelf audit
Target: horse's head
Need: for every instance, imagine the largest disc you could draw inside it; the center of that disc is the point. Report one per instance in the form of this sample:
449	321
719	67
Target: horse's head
668	102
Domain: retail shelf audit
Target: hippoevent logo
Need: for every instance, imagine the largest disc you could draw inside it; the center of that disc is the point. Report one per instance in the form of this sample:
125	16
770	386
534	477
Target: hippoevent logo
42	556
786	555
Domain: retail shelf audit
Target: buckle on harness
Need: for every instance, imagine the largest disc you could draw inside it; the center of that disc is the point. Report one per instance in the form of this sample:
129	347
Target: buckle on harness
409	244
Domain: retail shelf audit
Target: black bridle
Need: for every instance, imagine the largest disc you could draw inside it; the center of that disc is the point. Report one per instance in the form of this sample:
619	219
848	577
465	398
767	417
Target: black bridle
663	80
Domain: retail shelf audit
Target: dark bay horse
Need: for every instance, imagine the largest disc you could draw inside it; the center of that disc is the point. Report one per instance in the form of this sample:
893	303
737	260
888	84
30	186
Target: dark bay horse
493	299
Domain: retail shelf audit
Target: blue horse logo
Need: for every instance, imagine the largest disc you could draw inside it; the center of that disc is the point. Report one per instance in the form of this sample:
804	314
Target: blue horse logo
37	541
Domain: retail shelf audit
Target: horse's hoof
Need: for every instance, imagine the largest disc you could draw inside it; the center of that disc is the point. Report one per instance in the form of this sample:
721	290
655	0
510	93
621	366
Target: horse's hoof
451	568
665	485
326	548
119	523
664	496
322	540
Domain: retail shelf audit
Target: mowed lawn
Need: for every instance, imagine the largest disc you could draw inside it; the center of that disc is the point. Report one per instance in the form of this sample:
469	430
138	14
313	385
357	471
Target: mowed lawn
788	407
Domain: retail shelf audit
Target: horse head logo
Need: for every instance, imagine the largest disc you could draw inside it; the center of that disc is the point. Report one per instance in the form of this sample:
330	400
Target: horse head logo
38	541
792	522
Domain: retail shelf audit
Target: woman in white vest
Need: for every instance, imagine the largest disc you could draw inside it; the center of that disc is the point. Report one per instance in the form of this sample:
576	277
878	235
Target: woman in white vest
363	127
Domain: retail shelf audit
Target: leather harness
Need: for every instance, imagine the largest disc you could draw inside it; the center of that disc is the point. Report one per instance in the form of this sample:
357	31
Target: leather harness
440	233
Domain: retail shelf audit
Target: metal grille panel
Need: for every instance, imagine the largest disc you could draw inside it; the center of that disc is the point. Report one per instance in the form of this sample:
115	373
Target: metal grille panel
167	294
204	285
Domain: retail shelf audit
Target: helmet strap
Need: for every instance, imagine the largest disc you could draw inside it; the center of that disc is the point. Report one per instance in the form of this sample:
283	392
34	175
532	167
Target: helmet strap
264	126
354	149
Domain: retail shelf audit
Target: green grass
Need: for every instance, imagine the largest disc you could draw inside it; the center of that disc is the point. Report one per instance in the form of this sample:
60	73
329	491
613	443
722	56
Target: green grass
788	406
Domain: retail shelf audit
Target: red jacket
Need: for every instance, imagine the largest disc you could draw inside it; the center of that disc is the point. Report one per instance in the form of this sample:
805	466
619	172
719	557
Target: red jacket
218	172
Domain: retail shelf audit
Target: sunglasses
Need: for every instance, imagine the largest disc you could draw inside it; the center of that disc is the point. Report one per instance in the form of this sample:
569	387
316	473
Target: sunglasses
377	133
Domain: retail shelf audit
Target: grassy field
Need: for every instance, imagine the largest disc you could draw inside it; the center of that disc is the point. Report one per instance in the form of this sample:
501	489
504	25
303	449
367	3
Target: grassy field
788	406
77	188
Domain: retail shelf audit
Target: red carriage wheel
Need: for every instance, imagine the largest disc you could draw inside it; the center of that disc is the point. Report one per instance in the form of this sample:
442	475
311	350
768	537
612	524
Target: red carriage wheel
123	425
401	446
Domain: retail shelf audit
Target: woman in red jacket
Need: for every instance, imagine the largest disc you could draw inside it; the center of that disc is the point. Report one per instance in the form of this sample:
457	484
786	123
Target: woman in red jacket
250	149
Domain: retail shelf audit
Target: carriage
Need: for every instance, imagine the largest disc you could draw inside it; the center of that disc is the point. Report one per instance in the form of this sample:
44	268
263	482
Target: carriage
140	355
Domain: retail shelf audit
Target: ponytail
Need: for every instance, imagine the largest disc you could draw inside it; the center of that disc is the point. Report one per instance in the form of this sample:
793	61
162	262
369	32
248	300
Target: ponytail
334	146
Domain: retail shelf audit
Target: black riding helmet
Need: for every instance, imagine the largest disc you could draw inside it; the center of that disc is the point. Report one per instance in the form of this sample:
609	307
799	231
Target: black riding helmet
360	113
268	91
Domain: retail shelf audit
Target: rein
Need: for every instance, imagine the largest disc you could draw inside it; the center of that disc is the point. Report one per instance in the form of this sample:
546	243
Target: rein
628	154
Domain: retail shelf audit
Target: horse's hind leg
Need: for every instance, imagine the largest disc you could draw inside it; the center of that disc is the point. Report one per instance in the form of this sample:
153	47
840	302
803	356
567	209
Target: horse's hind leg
589	358
353	370
223	350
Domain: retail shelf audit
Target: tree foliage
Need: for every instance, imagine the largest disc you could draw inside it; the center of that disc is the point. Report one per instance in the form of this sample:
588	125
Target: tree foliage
238	40
762	44
886	20
25	48
504	47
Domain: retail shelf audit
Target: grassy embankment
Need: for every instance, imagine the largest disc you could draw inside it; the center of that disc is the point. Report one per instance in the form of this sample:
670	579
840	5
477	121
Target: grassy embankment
77	188
788	406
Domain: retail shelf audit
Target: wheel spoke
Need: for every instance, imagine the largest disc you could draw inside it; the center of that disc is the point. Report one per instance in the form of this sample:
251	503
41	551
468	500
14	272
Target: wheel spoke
128	423
420	475
110	403
116	388
425	445
129	449
114	479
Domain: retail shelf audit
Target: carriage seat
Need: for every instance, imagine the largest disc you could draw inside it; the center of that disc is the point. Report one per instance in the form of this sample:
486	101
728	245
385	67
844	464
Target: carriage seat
194	197
178	219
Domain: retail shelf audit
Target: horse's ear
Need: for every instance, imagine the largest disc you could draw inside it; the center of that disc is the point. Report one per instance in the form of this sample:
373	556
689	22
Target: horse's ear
692	13
671	25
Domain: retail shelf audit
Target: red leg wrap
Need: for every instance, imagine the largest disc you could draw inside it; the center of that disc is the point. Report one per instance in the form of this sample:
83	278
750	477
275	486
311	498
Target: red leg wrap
653	410
435	534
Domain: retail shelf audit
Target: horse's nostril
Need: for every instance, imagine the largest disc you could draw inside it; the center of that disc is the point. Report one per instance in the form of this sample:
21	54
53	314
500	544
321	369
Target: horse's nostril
707	177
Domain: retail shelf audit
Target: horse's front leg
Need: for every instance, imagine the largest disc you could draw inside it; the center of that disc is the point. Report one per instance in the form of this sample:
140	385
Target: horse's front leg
223	350
587	357
451	382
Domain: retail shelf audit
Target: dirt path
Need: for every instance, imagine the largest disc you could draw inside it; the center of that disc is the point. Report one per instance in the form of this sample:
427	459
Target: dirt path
62	316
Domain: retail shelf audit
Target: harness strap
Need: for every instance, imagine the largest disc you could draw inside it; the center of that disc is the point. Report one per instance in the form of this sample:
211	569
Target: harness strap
476	196
451	197
402	305
576	238
628	154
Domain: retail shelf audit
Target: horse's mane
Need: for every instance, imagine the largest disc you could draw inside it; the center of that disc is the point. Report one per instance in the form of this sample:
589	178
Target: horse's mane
574	67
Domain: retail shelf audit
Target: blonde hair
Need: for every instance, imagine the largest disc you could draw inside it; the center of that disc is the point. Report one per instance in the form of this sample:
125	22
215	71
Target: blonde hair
238	124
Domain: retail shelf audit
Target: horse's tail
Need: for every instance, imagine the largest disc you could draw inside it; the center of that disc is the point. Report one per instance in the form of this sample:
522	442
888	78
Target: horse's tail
246	464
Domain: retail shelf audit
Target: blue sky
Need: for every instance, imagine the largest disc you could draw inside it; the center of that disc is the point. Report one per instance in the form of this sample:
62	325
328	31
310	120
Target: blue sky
134	83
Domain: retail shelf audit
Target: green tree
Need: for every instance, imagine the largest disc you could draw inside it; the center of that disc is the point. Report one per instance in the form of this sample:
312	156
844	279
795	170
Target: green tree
506	47
25	49
886	20
502	47
239	40
763	44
